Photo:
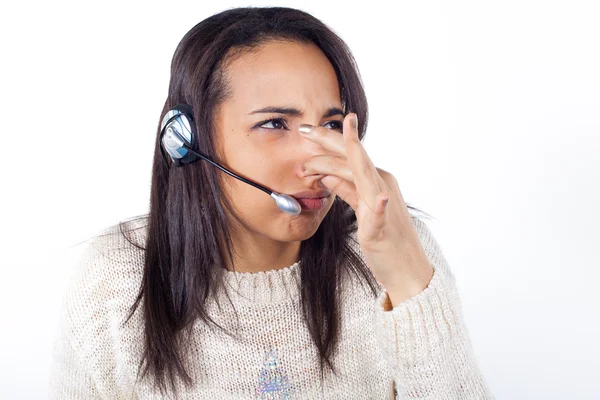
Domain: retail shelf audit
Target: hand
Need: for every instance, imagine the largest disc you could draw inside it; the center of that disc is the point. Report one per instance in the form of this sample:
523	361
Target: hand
385	233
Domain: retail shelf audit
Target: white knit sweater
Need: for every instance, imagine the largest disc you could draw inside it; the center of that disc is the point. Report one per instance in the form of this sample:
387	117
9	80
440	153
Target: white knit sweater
419	350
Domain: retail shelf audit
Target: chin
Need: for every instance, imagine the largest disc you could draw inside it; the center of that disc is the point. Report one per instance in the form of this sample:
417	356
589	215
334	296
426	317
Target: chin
303	228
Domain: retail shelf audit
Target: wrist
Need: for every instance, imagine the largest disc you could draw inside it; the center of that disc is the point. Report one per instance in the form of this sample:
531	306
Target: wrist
406	285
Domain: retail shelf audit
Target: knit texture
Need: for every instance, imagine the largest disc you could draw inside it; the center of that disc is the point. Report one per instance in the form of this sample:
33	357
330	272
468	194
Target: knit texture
418	350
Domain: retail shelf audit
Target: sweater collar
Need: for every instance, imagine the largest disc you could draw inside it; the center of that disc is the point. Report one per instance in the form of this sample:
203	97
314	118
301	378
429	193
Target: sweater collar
264	287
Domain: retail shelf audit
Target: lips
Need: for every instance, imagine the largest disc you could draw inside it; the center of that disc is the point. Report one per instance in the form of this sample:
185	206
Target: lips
312	204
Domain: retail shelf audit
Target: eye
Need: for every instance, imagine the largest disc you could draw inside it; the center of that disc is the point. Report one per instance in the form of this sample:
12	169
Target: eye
277	123
336	124
281	123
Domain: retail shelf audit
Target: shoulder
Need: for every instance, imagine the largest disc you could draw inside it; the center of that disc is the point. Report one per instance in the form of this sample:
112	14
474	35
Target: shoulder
98	297
105	280
114	252
119	241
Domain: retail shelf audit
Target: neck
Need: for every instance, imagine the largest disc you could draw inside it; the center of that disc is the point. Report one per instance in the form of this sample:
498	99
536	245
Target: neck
258	253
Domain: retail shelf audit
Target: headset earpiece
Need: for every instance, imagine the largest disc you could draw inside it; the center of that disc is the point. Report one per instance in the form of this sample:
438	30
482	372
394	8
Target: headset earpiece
178	131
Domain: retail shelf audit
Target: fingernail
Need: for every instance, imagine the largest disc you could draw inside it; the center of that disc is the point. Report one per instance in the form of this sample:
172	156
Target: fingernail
305	128
354	121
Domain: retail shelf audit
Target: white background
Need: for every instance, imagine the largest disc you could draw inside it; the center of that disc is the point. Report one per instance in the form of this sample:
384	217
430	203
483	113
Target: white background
487	113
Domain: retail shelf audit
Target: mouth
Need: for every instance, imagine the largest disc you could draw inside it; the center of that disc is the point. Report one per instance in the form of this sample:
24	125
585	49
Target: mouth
314	204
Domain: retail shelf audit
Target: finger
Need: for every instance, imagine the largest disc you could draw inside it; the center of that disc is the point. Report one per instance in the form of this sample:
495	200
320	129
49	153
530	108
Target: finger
329	165
343	189
374	222
368	182
328	138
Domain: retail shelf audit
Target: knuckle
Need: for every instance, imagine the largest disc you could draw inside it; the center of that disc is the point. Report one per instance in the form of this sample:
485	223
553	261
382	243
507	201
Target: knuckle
382	172
392	181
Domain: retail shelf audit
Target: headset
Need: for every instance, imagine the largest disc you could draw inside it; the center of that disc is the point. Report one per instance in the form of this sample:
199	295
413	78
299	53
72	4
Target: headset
177	137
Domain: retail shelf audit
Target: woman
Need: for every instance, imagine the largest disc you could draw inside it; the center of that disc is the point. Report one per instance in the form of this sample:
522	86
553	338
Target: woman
219	294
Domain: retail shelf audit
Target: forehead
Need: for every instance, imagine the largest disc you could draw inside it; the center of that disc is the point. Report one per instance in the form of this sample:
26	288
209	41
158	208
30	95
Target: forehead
283	73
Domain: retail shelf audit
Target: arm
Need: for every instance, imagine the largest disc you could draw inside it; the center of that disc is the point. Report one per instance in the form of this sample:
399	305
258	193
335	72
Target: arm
424	337
69	378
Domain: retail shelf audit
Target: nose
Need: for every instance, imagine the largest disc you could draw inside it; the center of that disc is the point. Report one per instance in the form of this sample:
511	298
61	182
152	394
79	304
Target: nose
308	149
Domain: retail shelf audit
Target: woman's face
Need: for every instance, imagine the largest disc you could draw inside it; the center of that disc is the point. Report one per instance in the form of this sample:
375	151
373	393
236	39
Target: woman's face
266	147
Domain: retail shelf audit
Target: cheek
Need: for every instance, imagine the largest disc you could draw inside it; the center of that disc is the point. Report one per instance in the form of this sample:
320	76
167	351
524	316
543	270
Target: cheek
271	169
262	170
265	168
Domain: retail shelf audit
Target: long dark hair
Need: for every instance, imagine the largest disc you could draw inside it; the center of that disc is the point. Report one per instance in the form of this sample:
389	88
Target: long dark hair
190	217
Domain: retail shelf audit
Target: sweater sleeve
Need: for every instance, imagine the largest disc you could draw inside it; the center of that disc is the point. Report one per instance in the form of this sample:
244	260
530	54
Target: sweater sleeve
424	338
73	372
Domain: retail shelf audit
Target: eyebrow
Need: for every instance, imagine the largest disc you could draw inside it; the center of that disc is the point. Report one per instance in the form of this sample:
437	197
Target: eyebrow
294	112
